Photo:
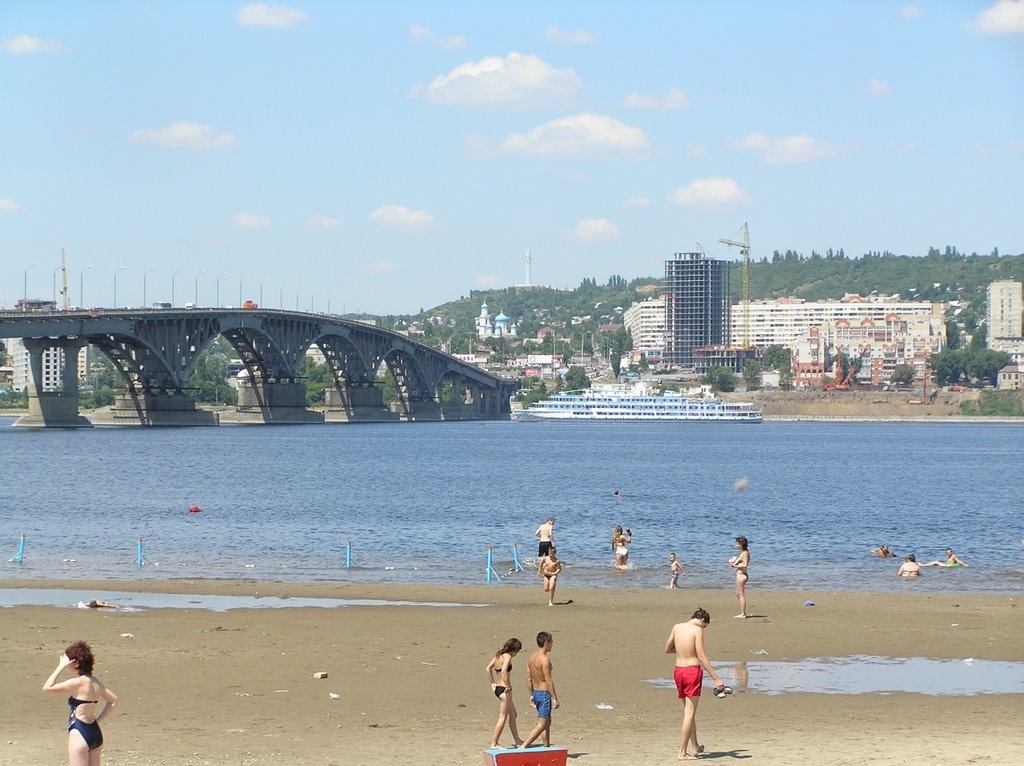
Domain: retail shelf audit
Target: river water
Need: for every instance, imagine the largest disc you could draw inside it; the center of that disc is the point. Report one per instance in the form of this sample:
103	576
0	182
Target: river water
422	502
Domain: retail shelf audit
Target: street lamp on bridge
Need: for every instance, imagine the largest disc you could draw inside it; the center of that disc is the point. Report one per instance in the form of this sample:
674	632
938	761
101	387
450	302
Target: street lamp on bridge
195	300
297	291
81	287
172	285
144	275
261	291
240	281
115	283
280	296
222	274
24	297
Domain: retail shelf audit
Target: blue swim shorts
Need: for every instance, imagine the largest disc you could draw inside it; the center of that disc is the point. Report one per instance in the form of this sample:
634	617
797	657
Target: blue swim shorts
542	700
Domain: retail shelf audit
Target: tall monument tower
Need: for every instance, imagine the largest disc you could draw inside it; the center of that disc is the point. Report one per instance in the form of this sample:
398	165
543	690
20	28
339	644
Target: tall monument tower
529	265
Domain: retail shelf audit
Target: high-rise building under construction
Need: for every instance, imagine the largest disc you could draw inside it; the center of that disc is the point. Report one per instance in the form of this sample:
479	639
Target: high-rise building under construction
697	306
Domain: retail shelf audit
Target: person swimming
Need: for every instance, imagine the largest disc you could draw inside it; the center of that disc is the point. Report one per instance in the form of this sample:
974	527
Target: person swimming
952	561
883	551
910	567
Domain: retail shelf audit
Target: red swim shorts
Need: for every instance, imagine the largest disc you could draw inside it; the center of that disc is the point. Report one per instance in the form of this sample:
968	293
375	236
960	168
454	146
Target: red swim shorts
689	680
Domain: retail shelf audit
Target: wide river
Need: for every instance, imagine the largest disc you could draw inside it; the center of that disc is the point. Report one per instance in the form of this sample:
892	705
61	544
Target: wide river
422	502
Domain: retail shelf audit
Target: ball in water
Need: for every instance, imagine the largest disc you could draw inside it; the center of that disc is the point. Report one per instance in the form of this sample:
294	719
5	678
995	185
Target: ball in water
741	484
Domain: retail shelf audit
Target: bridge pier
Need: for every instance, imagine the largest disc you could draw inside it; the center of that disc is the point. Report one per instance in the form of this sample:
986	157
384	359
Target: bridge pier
155	408
274	403
356	404
53	409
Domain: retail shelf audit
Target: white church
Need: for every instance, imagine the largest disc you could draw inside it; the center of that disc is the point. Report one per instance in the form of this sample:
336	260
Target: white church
498	327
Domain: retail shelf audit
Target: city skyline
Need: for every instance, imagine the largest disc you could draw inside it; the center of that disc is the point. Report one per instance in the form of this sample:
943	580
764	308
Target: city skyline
384	159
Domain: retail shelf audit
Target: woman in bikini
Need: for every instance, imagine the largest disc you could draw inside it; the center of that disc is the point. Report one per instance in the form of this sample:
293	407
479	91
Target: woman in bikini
501	663
740	564
85	740
620	540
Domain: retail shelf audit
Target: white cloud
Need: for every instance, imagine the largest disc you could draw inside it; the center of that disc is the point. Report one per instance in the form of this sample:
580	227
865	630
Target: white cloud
595	230
486	281
637	202
184	135
674	99
1005	17
878	88
789	150
269	16
9	206
911	12
516	80
422	34
21	45
379	267
579	136
324	222
708	192
401	217
249	221
576	37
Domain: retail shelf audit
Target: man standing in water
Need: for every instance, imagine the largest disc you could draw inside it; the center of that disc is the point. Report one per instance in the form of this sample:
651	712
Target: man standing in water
546	533
542	688
687	641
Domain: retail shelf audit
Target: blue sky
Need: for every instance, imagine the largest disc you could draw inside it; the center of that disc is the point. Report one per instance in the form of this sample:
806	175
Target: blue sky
390	156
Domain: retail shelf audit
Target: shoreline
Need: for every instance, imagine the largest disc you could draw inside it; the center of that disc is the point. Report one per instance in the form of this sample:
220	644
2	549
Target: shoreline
199	687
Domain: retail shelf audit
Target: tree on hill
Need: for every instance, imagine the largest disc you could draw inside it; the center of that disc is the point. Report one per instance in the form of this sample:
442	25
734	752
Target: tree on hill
721	379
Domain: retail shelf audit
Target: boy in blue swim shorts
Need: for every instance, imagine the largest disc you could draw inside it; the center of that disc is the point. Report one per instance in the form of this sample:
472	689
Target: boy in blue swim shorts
542	689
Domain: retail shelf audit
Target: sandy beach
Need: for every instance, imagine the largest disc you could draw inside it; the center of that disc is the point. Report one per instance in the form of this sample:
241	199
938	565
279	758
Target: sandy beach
237	687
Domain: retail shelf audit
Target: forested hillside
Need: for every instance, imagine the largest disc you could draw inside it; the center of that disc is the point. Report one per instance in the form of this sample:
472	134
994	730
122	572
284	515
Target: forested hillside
938	276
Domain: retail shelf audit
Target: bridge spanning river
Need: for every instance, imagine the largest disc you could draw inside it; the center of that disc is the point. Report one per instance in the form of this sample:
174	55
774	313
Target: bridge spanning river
155	351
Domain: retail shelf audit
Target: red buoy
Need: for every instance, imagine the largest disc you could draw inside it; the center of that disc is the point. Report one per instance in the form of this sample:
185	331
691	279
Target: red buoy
194	509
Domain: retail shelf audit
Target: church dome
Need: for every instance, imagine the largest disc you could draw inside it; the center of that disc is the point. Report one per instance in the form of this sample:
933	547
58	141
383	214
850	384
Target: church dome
501	318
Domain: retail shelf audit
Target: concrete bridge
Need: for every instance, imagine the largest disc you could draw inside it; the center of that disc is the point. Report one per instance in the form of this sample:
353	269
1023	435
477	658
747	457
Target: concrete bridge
155	351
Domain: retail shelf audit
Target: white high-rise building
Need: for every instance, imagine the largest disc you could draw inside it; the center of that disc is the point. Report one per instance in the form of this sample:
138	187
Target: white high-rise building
1005	311
53	366
646	323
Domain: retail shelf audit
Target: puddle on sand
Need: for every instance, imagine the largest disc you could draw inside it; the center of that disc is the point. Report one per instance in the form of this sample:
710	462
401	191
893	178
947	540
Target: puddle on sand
130	601
864	674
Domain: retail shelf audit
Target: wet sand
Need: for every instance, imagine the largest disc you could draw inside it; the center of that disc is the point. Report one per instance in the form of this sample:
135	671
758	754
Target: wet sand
237	687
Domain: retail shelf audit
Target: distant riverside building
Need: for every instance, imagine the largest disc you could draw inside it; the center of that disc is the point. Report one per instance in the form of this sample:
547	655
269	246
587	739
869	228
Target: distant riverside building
53	365
880	346
697	306
1005	318
499	327
782	321
1011	378
645	322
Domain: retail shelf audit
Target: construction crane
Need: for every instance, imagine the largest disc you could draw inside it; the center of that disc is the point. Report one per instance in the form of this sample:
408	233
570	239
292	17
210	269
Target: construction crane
64	281
744	247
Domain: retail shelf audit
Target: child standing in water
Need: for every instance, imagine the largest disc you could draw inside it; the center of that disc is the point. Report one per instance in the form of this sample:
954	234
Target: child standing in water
675	568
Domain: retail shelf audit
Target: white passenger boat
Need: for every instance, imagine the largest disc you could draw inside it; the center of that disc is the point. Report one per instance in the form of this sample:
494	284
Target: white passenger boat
635	402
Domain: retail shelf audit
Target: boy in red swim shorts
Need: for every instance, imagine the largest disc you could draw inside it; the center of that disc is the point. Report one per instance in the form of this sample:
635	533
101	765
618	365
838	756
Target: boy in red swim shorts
687	642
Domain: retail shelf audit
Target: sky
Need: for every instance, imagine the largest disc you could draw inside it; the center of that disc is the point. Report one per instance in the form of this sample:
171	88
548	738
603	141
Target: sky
388	157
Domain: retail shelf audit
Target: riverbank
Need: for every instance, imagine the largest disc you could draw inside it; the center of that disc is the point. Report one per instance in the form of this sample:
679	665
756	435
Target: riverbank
237	687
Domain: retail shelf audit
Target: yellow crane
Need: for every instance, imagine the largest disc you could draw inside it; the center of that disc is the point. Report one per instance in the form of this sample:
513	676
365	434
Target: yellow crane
744	247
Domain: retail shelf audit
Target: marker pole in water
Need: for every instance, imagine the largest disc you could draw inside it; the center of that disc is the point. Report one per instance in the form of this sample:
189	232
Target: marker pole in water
517	565
139	558
19	557
490	565
348	555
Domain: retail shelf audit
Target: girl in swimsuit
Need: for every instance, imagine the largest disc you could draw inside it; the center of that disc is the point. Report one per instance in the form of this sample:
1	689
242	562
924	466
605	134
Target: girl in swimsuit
502	663
619	541
740	564
85	740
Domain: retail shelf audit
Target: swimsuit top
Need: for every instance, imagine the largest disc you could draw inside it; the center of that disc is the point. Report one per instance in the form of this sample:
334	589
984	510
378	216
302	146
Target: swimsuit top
73	703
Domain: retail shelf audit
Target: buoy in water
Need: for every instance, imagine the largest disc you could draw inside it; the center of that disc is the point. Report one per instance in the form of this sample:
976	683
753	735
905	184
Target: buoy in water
194	509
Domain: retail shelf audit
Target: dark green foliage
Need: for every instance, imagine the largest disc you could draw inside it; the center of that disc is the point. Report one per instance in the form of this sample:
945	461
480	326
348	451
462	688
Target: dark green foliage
752	370
721	379
902	375
576	379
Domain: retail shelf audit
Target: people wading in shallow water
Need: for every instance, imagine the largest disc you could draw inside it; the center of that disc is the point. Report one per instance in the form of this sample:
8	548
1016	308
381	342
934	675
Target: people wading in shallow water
85	740
620	541
740	564
501	664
